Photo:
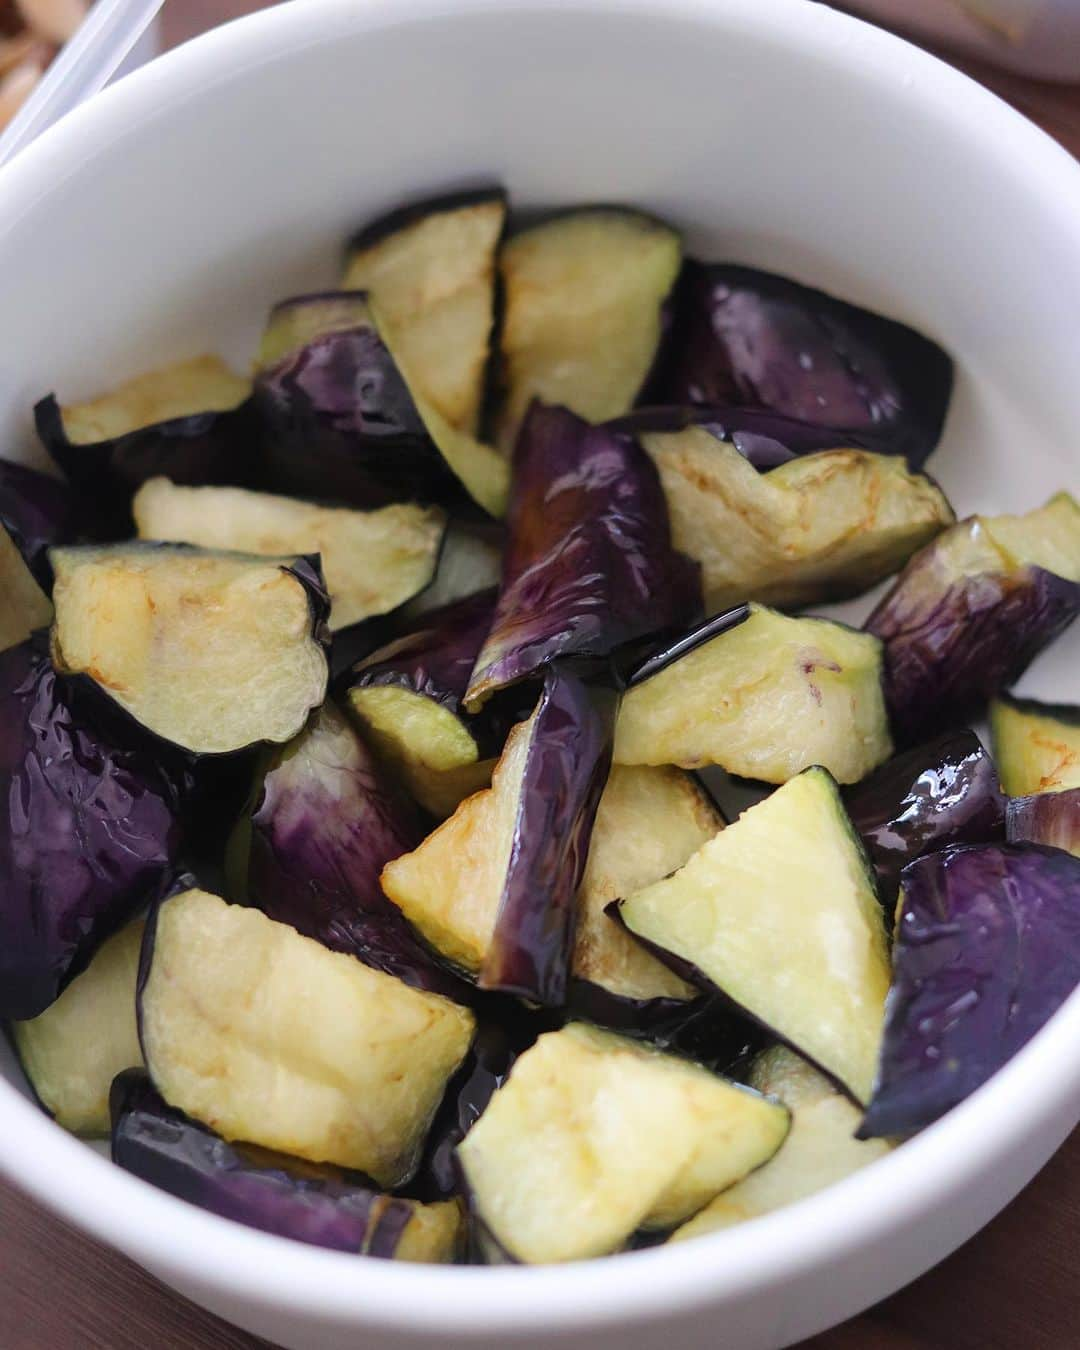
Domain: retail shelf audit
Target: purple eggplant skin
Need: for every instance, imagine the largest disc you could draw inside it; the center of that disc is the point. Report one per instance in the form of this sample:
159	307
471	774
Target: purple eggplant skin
162	1146
435	656
1051	818
483	1071
705	1029
589	564
668	650
754	339
987	949
37	511
946	792
323	824
338	422
88	832
950	648
203	449
566	767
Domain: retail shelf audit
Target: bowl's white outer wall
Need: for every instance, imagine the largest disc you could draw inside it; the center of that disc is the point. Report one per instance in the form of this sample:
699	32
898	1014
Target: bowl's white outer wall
164	218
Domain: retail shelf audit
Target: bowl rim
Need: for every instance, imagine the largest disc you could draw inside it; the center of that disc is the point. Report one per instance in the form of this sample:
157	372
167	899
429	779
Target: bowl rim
232	1261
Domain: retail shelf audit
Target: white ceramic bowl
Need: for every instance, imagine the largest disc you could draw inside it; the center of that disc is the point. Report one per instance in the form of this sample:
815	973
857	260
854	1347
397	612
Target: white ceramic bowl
167	216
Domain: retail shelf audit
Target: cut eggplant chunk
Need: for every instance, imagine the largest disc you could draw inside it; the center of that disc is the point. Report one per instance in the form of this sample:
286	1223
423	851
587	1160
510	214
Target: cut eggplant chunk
323	823
819	528
946	792
594	1136
1051	818
72	1052
441	791
649	822
24	606
90	831
266	1036
1036	745
768	697
971	610
188	421
493	888
584	297
470	560
430	269
37	512
987	949
210	651
589	564
819	1151
338	417
747	337
276	1194
779	914
408	696
373	561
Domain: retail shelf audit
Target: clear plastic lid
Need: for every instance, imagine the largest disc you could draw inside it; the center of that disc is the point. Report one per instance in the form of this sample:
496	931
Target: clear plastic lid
84	65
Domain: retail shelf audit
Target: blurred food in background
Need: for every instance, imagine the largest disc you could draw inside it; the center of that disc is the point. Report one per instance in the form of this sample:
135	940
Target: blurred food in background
31	33
1040	38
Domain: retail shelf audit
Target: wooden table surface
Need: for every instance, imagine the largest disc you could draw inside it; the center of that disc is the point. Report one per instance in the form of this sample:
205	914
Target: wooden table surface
1013	1287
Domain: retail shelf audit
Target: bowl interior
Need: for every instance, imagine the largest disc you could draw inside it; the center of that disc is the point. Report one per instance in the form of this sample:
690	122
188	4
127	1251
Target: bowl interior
166	219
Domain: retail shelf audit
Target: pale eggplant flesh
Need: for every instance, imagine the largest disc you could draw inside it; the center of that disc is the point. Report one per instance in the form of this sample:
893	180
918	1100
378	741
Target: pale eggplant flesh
372	561
761	694
594	1136
779	914
355	1081
211	652
583	313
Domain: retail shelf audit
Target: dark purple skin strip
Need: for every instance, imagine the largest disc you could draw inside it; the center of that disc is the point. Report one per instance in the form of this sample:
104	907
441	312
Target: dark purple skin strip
987	949
753	339
201	449
566	768
162	1146
339	424
89	828
589	564
946	792
671	649
484	1070
949	649
1051	818
325	824
37	511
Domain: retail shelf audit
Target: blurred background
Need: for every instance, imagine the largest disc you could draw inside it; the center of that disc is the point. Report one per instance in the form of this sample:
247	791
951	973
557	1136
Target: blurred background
1007	43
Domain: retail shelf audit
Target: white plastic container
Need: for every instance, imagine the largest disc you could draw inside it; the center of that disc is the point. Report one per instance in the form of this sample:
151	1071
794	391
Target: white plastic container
170	212
1040	38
